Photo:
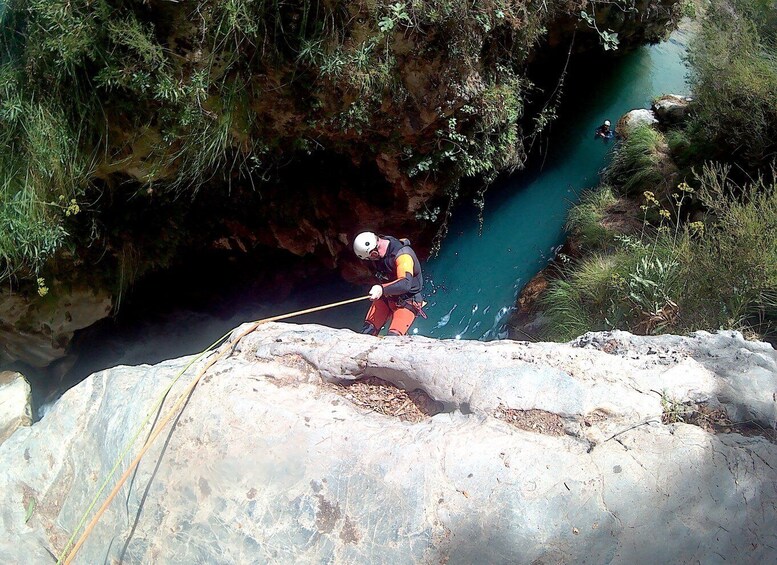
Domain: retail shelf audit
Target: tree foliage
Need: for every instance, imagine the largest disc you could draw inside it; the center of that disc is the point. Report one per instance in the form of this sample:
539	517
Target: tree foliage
103	96
733	63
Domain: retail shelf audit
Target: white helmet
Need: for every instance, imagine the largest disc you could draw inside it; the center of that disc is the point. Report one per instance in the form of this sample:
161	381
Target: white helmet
607	122
364	243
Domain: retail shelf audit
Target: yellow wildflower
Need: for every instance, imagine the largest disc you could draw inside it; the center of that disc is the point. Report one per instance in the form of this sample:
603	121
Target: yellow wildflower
43	290
72	208
684	187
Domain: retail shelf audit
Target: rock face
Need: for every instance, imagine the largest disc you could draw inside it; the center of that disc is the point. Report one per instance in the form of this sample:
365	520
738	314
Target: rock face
15	403
633	119
642	21
671	108
527	453
37	331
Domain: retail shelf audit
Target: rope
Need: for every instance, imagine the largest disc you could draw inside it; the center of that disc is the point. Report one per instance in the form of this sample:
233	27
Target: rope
69	555
134	438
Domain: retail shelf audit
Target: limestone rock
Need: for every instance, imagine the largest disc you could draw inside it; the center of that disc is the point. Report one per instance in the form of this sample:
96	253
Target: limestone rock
36	330
633	119
671	108
15	403
529	453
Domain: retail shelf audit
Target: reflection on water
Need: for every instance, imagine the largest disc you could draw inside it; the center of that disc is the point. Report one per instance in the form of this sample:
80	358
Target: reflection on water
443	321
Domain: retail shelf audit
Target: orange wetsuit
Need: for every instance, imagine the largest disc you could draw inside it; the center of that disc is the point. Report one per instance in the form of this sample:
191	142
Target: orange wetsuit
401	300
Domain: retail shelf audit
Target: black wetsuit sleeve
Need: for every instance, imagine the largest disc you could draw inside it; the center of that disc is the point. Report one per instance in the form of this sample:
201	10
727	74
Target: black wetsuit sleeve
399	286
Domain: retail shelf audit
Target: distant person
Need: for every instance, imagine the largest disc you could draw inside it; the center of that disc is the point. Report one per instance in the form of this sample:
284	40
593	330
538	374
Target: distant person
399	297
604	132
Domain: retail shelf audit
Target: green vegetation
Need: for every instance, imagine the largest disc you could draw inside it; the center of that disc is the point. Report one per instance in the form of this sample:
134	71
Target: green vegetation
634	288
585	219
42	177
732	273
681	276
108	99
734	77
706	255
634	166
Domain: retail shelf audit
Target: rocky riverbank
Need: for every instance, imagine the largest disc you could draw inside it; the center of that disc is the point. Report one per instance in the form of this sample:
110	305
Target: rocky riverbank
622	217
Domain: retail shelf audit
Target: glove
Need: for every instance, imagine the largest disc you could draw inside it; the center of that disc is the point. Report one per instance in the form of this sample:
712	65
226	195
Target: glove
376	292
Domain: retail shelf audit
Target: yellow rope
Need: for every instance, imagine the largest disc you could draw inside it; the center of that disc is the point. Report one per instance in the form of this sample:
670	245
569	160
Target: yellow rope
134	439
68	556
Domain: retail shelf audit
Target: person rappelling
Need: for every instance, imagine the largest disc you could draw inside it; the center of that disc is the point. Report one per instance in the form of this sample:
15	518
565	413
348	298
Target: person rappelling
399	295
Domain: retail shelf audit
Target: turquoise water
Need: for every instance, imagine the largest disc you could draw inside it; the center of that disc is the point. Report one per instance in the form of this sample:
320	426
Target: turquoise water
474	281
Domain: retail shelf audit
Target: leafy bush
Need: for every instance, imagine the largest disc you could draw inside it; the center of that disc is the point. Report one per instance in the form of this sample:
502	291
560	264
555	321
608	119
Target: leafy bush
633	288
684	150
43	173
731	275
734	79
719	273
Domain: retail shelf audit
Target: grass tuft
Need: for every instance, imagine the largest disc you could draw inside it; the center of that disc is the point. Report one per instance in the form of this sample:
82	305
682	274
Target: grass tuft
584	220
635	164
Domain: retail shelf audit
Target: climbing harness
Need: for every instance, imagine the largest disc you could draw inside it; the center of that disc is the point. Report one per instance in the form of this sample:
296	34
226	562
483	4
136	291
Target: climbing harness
68	554
415	304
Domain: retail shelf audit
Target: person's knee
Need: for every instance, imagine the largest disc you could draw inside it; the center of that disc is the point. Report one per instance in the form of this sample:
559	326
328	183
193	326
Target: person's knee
401	322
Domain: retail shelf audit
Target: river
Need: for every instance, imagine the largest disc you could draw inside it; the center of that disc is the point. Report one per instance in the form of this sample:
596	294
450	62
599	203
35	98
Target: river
476	278
473	283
